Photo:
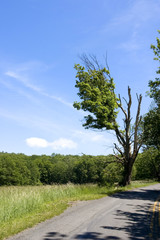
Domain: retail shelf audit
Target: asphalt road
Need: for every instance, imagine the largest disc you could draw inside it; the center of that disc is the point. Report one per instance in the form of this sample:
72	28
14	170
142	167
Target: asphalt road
128	215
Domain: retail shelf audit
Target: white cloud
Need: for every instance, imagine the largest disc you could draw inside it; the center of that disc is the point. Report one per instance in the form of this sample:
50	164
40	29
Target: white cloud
59	144
36	142
63	143
98	138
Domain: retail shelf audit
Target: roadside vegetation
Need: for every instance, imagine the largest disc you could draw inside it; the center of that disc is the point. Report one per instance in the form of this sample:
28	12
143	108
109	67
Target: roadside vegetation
22	207
36	188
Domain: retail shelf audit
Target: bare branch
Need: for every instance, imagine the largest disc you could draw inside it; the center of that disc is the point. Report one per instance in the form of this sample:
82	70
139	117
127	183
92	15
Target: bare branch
106	61
87	62
120	140
120	160
130	102
125	100
120	105
94	60
137	97
120	137
118	149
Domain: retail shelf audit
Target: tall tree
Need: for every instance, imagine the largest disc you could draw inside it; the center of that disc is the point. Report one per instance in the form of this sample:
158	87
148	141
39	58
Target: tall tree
151	128
155	85
96	91
151	122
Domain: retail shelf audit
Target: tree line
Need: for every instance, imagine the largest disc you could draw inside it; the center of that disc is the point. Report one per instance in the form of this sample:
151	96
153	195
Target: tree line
20	169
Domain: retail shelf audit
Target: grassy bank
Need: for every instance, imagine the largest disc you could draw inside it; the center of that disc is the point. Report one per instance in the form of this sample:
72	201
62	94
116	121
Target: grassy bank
23	207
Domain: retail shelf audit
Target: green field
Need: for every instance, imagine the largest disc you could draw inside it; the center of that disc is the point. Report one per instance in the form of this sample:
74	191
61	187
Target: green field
24	206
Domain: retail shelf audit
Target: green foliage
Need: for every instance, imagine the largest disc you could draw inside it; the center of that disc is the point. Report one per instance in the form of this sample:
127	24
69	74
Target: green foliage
19	169
86	170
23	207
45	167
16	169
144	166
60	173
96	90
155	85
148	164
112	174
151	122
151	128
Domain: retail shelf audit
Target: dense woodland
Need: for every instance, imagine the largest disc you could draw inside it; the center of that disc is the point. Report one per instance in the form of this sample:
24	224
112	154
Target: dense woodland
20	169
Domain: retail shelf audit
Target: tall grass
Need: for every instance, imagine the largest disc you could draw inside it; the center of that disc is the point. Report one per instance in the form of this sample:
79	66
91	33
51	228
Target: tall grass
18	201
24	206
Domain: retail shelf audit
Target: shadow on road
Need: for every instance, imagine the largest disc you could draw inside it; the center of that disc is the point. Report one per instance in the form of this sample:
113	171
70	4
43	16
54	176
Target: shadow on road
137	225
54	235
94	235
138	221
86	235
140	194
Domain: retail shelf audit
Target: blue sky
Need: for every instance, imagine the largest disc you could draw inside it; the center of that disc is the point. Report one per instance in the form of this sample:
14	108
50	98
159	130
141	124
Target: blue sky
40	43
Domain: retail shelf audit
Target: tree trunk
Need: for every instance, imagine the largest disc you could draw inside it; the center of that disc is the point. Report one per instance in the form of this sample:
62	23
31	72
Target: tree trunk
127	173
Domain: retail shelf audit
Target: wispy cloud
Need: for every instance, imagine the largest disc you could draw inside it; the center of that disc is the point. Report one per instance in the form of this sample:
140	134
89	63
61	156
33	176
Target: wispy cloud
32	121
137	13
59	99
26	67
130	21
59	144
130	45
19	91
25	81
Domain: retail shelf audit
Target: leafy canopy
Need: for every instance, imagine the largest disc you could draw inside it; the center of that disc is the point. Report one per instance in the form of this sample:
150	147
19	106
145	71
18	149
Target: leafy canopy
96	90
151	122
151	128
155	85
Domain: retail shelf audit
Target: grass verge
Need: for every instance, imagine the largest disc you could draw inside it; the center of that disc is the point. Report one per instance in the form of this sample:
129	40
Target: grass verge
22	207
